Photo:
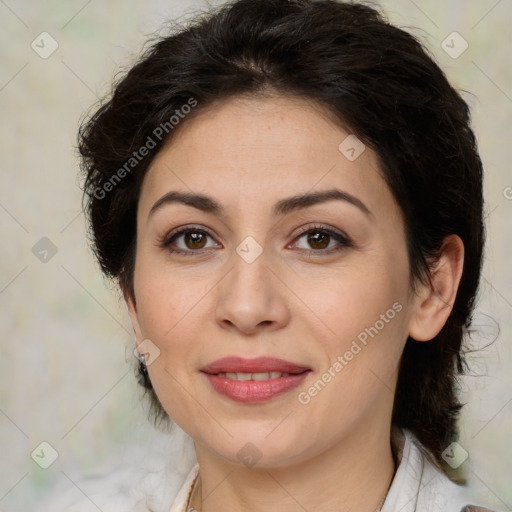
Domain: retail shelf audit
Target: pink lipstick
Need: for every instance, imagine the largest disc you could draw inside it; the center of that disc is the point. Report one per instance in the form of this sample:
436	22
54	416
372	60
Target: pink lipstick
254	380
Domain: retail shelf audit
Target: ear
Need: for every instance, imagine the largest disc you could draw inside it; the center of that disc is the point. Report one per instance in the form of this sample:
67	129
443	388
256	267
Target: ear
434	301
132	311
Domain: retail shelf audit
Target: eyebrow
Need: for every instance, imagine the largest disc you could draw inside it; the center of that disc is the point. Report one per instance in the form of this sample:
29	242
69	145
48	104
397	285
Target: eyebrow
282	207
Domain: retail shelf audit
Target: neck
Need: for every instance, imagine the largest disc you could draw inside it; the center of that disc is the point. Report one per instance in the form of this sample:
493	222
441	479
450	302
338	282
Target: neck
354	474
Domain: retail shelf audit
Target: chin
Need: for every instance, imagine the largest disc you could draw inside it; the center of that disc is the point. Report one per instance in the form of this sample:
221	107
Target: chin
259	449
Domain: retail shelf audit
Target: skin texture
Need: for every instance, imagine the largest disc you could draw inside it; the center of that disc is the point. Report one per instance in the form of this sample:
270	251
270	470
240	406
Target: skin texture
332	453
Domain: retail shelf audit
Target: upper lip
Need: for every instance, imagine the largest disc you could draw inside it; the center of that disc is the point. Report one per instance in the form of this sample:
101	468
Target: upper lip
234	364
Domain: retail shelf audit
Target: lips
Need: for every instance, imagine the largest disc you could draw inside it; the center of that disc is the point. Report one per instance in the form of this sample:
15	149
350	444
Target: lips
254	380
257	365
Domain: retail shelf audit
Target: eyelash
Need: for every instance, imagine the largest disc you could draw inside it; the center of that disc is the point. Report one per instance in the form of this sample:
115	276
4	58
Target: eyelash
343	241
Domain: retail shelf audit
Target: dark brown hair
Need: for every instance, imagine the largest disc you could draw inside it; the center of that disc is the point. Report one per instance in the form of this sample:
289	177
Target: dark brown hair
376	79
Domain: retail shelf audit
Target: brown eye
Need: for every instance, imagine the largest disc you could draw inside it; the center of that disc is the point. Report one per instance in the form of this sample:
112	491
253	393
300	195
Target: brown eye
194	240
321	240
318	240
188	241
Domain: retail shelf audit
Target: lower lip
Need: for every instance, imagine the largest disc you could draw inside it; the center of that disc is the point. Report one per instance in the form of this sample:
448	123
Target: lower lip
252	391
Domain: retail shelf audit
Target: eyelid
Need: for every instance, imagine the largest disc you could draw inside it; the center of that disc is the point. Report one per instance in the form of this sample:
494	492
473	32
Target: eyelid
321	227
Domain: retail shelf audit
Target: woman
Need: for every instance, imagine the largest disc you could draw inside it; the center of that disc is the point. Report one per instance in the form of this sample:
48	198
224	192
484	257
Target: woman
289	195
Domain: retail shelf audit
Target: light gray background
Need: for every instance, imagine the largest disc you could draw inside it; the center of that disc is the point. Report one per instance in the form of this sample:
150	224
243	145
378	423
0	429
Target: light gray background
66	338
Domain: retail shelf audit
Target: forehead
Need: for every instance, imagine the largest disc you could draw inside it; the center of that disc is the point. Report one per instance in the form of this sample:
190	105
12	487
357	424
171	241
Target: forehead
262	149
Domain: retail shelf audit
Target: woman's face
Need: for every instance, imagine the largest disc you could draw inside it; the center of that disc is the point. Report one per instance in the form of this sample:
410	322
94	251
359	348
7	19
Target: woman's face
269	267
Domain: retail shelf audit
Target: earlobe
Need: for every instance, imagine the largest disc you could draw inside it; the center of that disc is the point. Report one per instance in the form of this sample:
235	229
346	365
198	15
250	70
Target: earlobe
436	299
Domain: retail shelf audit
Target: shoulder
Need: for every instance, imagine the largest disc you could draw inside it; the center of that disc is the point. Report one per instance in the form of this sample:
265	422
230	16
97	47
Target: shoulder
147	482
420	486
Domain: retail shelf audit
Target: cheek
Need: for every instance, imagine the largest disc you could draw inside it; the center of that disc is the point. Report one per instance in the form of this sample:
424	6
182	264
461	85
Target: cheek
168	310
354	300
368	316
367	313
160	310
165	298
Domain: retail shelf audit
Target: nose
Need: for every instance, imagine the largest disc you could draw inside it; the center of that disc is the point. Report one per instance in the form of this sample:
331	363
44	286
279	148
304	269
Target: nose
251	298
